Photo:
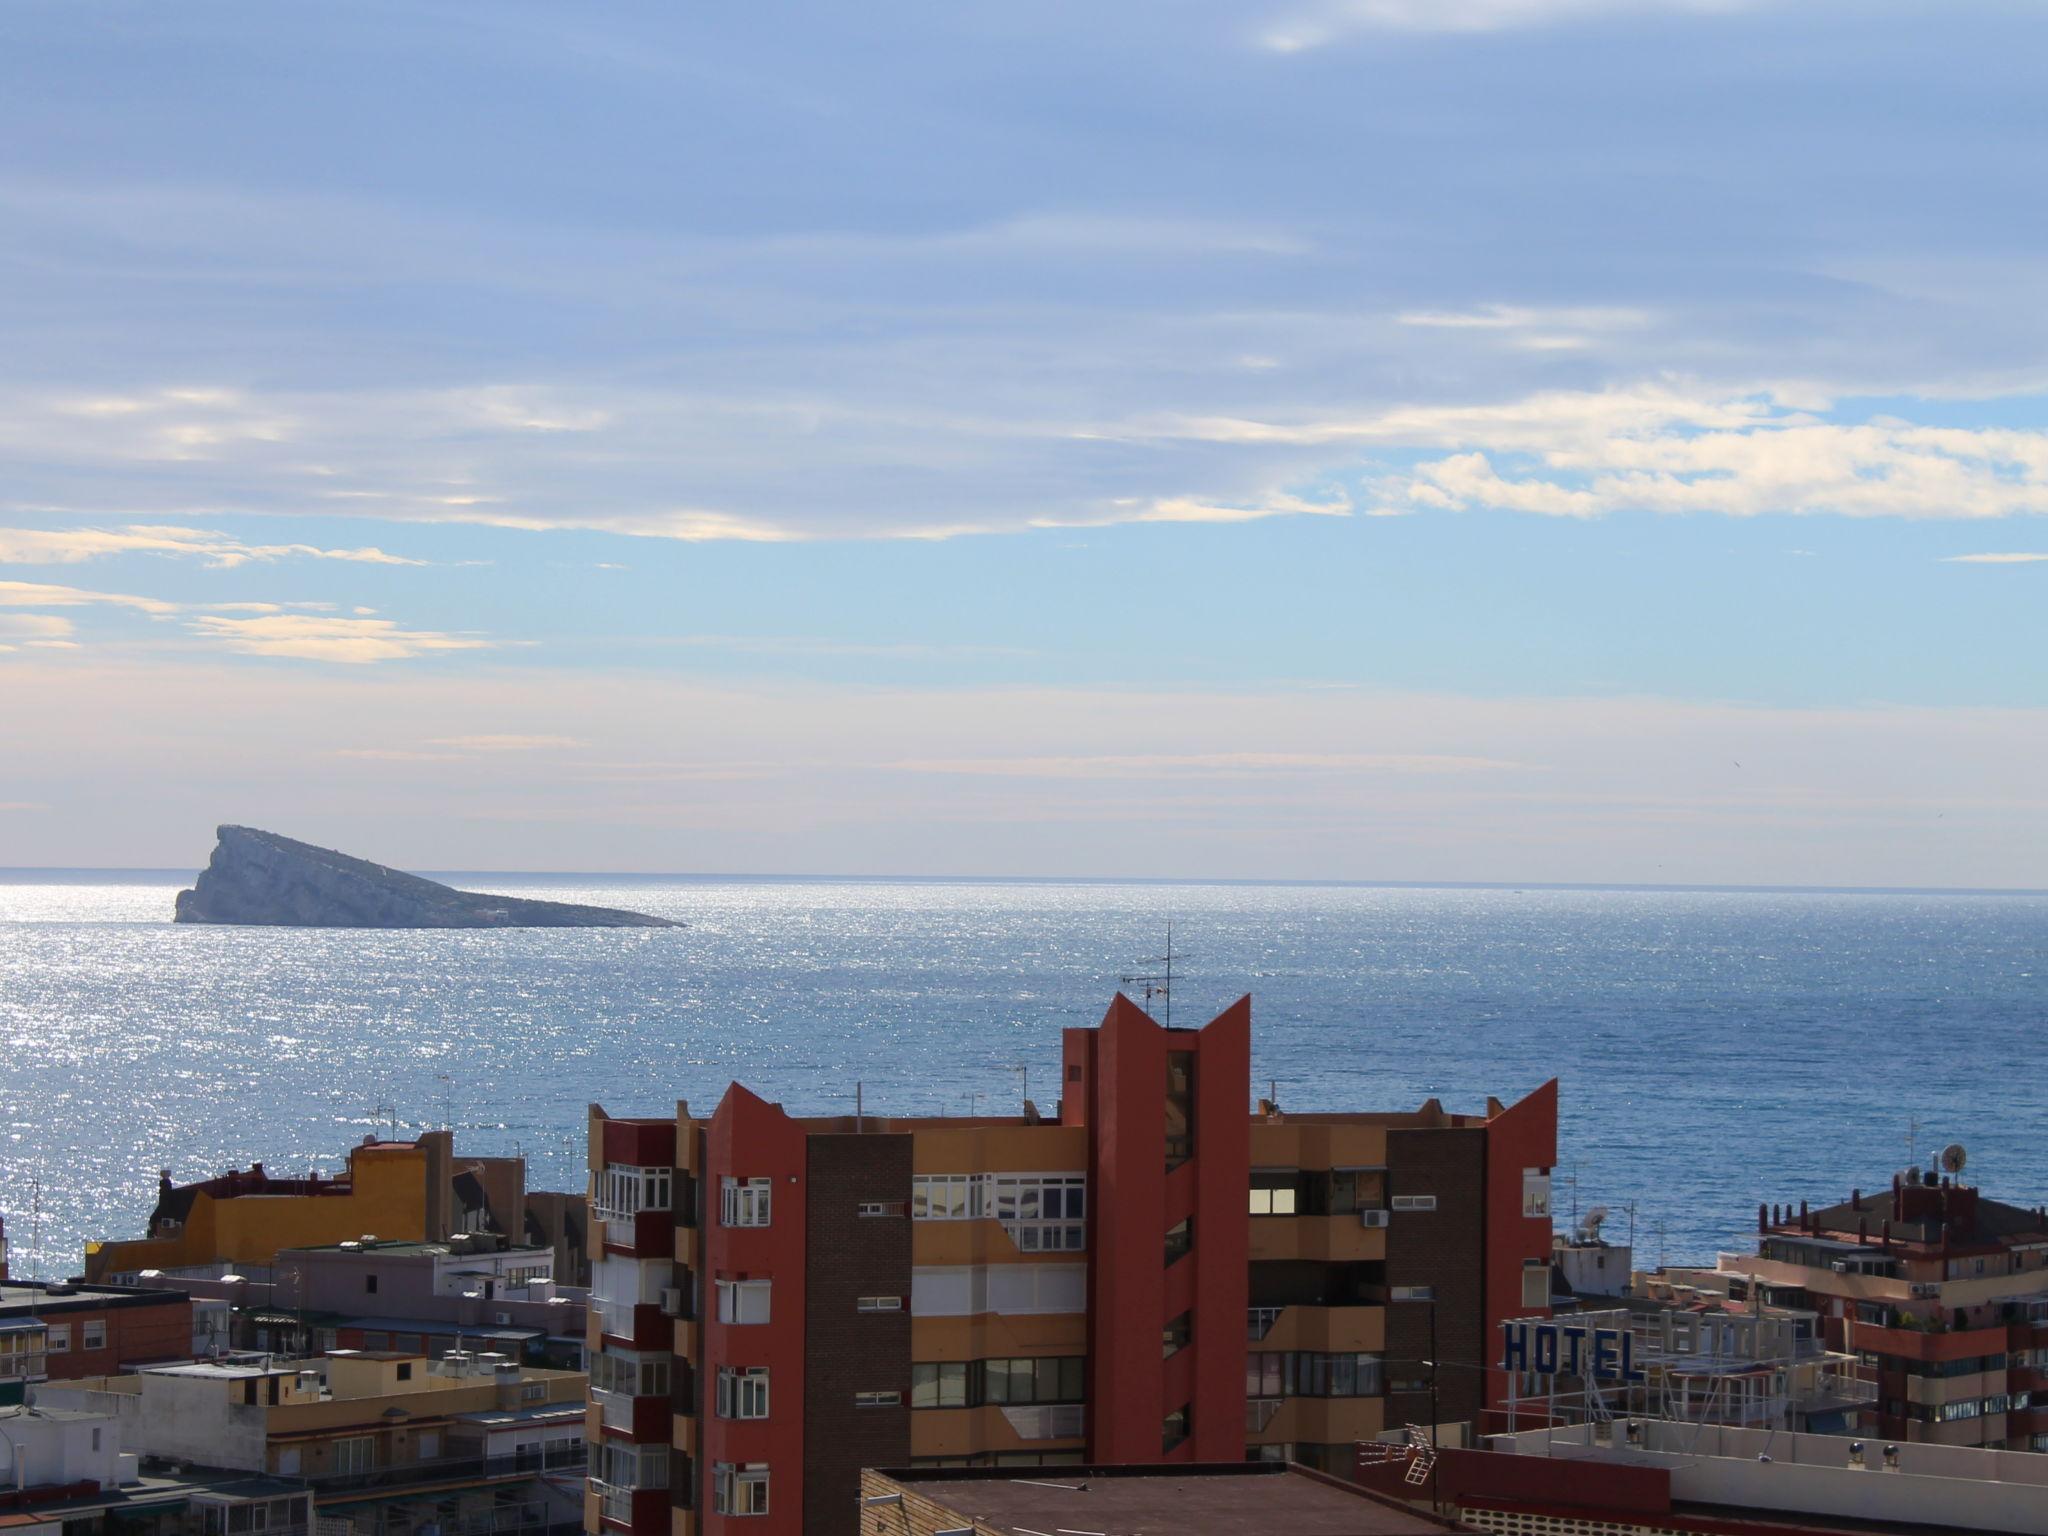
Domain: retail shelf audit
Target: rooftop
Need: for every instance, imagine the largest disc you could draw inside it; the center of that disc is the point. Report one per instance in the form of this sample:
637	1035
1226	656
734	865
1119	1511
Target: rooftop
1205	1500
21	1297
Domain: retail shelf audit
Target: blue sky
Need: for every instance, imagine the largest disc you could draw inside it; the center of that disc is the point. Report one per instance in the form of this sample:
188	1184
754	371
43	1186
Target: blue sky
1378	439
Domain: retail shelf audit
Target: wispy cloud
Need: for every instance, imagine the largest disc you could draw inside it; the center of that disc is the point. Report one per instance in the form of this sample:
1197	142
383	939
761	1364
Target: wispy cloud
310	637
1318	26
813	645
33	594
73	546
2017	557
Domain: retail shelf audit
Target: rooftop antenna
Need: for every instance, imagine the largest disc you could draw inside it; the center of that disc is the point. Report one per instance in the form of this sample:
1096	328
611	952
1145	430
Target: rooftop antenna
1157	984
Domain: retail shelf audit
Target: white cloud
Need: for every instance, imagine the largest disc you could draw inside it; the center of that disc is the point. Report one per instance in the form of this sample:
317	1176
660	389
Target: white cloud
35	626
1511	317
72	546
313	637
1320	25
2019	557
31	594
1667	448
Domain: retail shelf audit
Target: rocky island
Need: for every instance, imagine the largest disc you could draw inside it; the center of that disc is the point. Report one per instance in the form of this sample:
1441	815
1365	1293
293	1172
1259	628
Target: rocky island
260	878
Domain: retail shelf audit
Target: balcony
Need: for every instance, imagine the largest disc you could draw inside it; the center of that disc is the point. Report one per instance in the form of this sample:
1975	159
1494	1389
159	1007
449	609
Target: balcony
1259	1322
613	1502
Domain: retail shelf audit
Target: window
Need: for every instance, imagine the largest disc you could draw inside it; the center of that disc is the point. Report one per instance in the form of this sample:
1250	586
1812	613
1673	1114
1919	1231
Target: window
1536	1192
739	1488
632	1466
1414	1202
742	1392
628	1190
1535	1283
877	1399
357	1454
938	1384
1042	1212
1009	1289
1013	1382
878	1304
630	1375
1180	1108
743	1301
1306	1373
882	1208
58	1340
405	1370
370	1285
1180	1239
744	1202
1174	1430
1175	1336
428	1444
1275	1192
1030	1379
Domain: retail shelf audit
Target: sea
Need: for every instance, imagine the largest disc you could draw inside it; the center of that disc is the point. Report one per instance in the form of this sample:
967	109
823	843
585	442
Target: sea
1714	1049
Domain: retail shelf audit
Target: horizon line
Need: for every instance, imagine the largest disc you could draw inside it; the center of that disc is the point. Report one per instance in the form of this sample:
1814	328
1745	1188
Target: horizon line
1279	882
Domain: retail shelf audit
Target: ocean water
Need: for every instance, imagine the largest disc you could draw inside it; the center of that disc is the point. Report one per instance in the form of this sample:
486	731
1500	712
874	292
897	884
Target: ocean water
1714	1049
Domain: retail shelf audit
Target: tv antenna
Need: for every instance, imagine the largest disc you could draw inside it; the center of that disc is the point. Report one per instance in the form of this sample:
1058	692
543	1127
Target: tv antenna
1156	984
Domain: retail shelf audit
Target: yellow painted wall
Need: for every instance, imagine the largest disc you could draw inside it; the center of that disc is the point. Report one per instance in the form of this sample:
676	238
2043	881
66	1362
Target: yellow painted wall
388	1197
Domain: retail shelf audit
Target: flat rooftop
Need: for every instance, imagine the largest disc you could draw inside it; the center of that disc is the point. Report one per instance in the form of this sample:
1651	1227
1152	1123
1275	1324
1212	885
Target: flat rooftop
24	1296
1210	1500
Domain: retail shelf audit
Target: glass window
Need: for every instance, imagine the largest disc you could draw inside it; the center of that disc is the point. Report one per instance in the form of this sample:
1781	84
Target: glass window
743	1301
742	1392
1180	1108
744	1202
1175	1335
1180	1239
938	1384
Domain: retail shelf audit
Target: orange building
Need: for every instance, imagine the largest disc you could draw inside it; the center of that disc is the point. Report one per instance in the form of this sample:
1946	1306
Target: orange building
413	1191
1149	1274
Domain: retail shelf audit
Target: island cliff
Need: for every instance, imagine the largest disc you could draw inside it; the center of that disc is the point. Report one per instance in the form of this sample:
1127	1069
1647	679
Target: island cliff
260	878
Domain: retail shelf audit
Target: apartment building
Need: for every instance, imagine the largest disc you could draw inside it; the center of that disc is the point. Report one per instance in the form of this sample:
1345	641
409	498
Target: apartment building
62	1330
1150	1274
1940	1292
420	1190
65	1472
388	1442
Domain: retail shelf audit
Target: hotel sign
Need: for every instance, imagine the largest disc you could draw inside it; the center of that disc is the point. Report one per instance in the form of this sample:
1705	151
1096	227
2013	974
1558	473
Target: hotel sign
1543	1348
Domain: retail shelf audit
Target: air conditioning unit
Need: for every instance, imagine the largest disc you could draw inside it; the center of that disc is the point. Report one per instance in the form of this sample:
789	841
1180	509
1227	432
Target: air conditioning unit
1372	1218
1840	1266
1923	1291
672	1301
504	1319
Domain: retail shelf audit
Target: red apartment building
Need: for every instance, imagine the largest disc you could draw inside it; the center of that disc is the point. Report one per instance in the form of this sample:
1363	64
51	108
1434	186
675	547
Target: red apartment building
1151	1274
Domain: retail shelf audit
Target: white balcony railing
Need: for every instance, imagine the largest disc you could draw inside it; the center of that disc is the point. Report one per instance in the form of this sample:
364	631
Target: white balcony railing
1259	1412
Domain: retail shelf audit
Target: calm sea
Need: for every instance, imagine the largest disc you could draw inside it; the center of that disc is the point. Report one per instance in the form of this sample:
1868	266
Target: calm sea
1715	1049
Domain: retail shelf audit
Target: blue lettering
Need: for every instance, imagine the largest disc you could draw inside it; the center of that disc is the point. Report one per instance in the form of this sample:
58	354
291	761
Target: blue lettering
1628	1368
1546	1351
1573	1339
1514	1348
1604	1362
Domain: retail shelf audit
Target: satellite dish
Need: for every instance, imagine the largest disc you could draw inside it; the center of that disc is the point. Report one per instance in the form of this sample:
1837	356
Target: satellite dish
1953	1157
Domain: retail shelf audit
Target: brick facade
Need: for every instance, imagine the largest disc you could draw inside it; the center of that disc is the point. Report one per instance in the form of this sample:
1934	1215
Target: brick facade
847	1351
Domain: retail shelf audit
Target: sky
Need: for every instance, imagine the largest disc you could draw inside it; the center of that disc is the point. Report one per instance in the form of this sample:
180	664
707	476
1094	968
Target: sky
1519	440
